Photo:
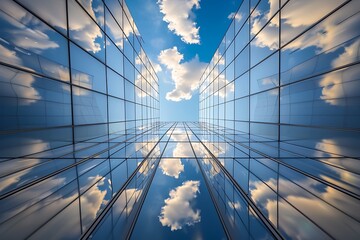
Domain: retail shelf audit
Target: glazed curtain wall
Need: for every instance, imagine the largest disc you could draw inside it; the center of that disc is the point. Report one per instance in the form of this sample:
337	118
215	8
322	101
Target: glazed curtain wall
289	71
71	71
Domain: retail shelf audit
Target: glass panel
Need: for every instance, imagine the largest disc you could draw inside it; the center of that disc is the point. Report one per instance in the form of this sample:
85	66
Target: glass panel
328	100
242	109
115	84
84	31
118	112
292	16
31	101
265	75
82	75
52	11
114	57
264	106
331	44
89	107
113	30
266	42
189	198
30	44
94	200
29	142
95	8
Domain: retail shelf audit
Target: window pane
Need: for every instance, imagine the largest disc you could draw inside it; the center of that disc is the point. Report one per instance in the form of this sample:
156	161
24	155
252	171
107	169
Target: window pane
30	101
31	44
84	31
89	107
115	84
88	77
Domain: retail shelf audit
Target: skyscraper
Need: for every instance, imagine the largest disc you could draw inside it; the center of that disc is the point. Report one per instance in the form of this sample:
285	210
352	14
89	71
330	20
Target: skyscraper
84	154
281	97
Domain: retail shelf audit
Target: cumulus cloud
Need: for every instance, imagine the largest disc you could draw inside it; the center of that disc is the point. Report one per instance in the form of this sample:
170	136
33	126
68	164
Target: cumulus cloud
157	67
13	179
234	205
35	38
177	211
84	30
171	167
178	15
332	149
183	149
185	75
93	199
334	84
128	26
178	135
44	198
328	33
18	84
146	147
309	205
9	55
141	83
325	37
236	16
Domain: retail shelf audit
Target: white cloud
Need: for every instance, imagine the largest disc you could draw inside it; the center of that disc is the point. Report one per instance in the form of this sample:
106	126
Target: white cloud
93	199
171	167
186	75
334	84
177	211
182	149
8	55
234	205
34	38
13	179
324	36
85	30
179	16
17	84
157	67
128	25
178	135
236	16
312	207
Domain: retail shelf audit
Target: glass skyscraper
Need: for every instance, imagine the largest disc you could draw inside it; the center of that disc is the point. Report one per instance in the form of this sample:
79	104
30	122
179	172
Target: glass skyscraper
281	97
274	155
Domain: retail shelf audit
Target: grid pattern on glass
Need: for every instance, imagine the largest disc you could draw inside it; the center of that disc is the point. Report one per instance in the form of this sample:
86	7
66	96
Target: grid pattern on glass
79	113
71	67
284	117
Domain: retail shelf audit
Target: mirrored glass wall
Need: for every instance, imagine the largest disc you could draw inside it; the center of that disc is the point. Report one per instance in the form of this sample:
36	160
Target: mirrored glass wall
281	97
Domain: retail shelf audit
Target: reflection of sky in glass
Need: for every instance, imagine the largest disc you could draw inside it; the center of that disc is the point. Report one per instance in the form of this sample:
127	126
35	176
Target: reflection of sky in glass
62	140
178	207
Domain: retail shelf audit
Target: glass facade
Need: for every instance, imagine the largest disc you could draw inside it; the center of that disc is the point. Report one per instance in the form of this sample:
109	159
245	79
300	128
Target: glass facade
84	155
281	97
77	92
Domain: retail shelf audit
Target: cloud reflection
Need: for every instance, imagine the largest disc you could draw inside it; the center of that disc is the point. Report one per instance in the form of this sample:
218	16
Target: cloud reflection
302	202
93	199
84	30
177	211
334	85
171	167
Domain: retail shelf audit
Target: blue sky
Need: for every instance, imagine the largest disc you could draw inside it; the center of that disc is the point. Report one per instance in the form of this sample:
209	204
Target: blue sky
182	46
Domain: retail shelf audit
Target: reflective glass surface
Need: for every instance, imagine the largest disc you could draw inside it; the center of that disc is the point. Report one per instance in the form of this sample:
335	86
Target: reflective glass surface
66	147
294	136
275	154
